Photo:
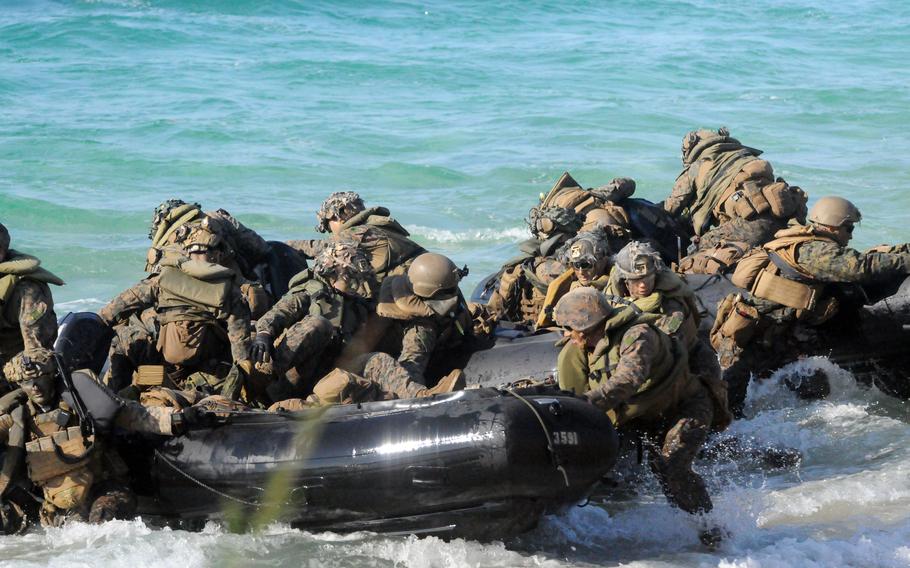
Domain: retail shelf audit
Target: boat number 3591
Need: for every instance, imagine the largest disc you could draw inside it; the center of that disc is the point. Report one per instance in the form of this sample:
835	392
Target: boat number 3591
565	438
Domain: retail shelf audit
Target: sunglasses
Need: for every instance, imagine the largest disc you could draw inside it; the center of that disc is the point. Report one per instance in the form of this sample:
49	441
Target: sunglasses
583	265
849	229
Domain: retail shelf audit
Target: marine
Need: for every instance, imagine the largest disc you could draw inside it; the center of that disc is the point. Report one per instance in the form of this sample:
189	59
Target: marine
27	318
623	364
304	333
190	317
728	193
523	281
66	457
796	283
640	277
386	242
587	256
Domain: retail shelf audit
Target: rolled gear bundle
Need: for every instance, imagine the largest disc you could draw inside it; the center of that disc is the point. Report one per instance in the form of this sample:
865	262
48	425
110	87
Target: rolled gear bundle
637	260
544	221
30	364
618	189
335	205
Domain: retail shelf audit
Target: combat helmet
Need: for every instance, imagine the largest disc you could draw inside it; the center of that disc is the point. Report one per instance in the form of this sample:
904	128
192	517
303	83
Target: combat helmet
582	309
544	221
590	246
637	260
434	276
4	241
344	260
336	206
30	364
833	211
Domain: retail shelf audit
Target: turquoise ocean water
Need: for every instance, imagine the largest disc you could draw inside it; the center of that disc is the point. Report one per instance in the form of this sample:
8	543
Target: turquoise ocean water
456	115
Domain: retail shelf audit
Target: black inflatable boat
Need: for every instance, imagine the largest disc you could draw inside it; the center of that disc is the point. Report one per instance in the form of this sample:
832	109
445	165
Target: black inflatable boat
481	463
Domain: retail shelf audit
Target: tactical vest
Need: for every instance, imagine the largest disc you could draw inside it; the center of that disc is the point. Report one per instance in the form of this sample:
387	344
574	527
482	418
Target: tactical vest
14	269
752	198
719	165
667	381
719	259
667	286
393	247
57	455
772	272
346	313
193	291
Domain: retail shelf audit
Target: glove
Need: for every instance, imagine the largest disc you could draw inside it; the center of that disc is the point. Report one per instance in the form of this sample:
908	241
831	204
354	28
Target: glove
261	350
189	418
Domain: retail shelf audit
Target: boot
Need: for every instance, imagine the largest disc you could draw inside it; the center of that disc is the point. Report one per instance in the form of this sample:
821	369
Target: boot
452	382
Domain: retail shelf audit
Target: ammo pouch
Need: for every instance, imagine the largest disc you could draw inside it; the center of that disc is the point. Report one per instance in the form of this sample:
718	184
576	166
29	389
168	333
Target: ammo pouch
736	320
718	259
59	463
769	286
256	298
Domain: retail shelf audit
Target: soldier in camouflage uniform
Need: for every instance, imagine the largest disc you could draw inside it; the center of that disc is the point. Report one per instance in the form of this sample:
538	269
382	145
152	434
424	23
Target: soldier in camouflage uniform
587	256
303	334
728	193
523	281
42	427
27	318
626	366
386	242
204	320
425	314
243	250
797	283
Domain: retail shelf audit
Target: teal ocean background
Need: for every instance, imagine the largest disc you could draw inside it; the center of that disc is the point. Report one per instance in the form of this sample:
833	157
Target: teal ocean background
456	115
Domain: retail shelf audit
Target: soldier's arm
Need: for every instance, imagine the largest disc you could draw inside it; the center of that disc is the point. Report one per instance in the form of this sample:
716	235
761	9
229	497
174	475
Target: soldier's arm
132	300
37	320
639	347
134	417
307	247
291	308
251	245
417	345
238	326
828	262
683	193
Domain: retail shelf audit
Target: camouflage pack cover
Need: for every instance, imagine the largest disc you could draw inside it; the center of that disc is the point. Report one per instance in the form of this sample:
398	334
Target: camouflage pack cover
548	220
343	258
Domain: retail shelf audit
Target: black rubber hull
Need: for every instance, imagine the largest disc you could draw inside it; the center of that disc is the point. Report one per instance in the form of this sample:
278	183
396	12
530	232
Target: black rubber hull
477	464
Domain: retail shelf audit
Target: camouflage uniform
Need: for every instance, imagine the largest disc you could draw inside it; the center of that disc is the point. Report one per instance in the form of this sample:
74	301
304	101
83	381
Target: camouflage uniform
27	318
93	487
385	241
312	322
773	333
523	281
624	375
243	249
725	185
201	338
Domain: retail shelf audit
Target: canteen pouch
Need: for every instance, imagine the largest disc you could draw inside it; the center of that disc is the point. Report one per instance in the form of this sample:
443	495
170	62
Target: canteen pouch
770	286
748	268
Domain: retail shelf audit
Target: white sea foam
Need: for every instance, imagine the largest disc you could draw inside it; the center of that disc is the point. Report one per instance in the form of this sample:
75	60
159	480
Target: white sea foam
494	235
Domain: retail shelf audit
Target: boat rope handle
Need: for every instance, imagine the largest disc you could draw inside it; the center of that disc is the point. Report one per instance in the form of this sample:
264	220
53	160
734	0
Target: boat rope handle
176	468
546	432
